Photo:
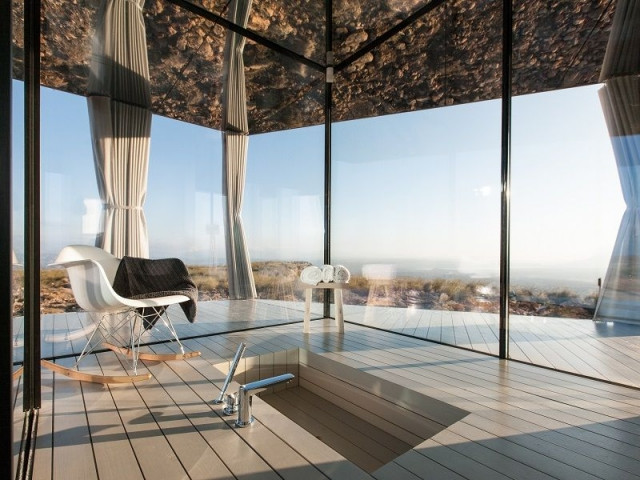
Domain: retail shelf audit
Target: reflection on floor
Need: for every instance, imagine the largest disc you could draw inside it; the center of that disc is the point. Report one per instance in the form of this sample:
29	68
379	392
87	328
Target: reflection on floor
609	351
602	350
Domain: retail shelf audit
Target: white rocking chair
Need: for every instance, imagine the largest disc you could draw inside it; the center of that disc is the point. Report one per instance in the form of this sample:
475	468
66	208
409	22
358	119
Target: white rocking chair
91	272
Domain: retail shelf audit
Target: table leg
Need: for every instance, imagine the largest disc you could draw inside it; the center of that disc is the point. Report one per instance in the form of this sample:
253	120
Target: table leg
337	295
307	310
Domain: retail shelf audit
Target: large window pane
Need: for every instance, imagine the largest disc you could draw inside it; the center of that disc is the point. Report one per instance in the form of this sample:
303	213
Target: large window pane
567	198
183	205
70	207
283	208
184	192
416	195
17	204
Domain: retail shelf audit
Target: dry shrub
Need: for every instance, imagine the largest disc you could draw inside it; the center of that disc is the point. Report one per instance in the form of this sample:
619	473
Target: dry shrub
277	280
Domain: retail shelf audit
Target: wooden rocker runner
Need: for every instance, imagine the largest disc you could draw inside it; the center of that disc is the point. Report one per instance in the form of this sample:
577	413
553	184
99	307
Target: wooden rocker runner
153	357
86	376
92	272
93	377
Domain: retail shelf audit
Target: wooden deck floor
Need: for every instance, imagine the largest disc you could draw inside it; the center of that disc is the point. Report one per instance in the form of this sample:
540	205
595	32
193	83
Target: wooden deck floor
523	423
601	350
610	351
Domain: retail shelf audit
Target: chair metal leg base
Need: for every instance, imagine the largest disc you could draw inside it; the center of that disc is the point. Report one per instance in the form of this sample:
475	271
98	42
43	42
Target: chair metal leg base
133	320
107	331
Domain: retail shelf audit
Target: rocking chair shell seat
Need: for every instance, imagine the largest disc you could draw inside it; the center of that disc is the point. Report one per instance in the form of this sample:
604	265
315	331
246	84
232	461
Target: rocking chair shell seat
91	272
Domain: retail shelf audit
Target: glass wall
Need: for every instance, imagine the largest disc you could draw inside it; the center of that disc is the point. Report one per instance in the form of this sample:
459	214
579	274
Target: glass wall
566	207
183	204
184	201
17	191
12	156
416	195
284	208
283	205
416	151
567	203
71	205
183	185
17	184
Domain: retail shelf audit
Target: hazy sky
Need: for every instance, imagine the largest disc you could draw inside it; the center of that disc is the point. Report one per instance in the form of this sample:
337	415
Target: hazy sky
431	181
422	187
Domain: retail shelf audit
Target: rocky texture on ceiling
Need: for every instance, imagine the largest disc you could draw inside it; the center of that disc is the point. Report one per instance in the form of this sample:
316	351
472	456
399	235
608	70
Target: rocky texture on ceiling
449	56
454	55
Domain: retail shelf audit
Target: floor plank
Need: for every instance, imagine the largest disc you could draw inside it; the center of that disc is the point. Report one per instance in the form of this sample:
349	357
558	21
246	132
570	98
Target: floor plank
73	455
114	455
155	456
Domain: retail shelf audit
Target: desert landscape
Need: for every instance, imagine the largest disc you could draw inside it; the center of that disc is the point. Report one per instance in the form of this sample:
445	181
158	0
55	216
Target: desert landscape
277	280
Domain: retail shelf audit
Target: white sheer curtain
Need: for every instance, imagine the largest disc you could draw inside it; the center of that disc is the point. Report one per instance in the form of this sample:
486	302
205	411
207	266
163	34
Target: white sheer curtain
235	141
620	99
119	100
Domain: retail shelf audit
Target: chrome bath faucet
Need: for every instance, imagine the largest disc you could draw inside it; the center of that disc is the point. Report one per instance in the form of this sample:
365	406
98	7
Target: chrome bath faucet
247	391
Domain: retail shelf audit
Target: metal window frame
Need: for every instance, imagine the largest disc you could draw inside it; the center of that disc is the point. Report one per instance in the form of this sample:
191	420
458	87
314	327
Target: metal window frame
32	353
6	267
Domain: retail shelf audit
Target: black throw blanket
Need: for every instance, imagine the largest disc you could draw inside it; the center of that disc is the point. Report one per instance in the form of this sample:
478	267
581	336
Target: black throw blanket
140	278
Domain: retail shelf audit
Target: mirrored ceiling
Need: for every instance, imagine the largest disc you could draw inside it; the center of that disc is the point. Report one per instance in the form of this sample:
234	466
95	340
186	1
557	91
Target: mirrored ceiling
450	53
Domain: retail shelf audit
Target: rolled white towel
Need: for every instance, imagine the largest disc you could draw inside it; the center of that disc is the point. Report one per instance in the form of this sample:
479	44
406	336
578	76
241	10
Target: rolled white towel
341	274
311	275
327	273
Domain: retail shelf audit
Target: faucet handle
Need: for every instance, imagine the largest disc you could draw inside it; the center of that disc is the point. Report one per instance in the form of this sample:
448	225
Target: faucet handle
247	391
261	385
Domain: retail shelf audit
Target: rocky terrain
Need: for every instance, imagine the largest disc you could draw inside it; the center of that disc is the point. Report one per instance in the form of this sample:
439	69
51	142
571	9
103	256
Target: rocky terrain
450	55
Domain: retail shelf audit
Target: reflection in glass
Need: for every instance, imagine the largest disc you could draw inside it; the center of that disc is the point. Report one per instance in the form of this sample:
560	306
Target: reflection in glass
283	208
295	25
567	196
119	99
620	97
235	141
448	56
281	93
416	195
357	23
185	64
17	230
422	254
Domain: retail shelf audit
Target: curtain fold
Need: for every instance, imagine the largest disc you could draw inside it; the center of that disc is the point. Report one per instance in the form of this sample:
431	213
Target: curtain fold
118	102
622	57
235	144
620	99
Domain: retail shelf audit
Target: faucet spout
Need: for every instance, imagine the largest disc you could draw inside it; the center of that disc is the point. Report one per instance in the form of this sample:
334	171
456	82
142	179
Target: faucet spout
247	391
